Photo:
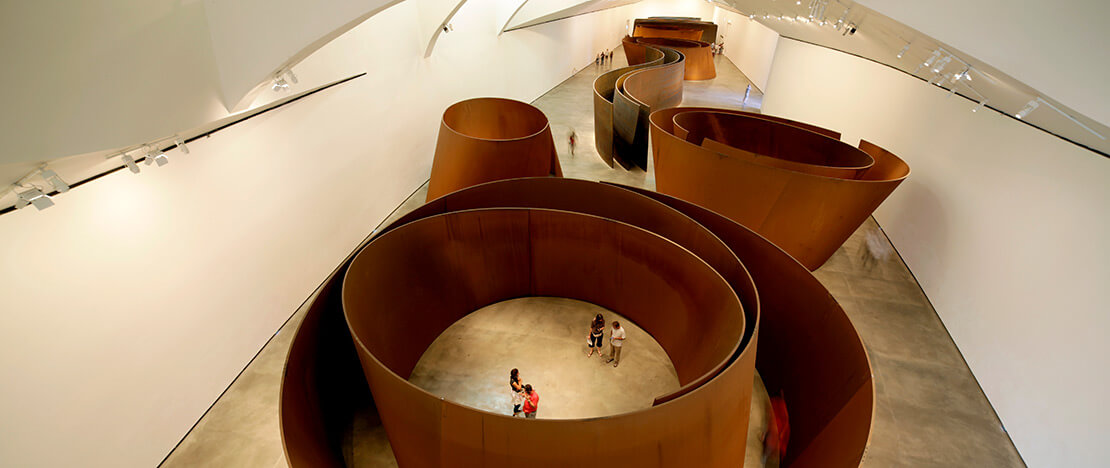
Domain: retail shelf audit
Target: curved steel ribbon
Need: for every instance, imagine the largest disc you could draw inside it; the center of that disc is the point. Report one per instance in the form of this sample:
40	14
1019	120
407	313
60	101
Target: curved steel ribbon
699	58
487	139
705	287
801	189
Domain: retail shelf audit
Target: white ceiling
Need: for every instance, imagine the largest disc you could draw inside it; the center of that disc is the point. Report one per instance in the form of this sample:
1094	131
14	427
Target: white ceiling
880	38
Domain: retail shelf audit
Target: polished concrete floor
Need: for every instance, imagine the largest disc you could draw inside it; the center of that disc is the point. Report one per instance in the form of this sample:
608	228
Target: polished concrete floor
930	411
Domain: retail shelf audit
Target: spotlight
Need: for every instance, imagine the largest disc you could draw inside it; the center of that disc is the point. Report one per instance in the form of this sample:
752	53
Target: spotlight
292	76
157	157
59	185
981	105
903	51
280	84
799	2
932	58
1028	108
942	63
181	143
34	197
130	163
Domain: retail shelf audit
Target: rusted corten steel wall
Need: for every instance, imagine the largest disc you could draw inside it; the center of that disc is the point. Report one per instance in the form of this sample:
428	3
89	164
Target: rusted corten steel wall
699	58
462	251
488	139
621	117
651	27
800	189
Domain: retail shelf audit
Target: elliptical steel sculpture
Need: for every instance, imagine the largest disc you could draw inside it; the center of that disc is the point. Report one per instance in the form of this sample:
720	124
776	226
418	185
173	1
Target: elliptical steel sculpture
677	28
487	139
667	263
795	184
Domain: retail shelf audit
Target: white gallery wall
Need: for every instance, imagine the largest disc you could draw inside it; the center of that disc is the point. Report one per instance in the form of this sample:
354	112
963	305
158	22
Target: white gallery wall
135	301
748	44
1004	226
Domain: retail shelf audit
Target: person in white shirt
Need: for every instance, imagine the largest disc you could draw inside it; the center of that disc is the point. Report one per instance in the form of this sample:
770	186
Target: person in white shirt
616	341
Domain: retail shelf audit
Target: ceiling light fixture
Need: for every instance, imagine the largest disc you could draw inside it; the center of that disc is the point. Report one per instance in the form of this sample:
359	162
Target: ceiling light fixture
157	156
52	177
280	84
981	105
181	145
35	197
942	63
130	163
1028	108
902	52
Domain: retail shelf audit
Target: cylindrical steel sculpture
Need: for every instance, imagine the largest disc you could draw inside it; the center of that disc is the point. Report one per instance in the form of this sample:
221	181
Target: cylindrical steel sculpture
671	266
802	190
487	139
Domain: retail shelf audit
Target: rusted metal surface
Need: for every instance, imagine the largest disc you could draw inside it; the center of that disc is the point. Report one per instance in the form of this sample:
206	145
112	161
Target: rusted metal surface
699	58
488	139
672	267
708	29
621	117
808	348
672	32
441	268
805	192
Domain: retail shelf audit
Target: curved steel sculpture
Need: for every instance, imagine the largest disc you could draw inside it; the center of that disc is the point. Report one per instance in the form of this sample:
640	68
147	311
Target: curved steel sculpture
803	190
624	98
676	27
699	59
487	139
708	289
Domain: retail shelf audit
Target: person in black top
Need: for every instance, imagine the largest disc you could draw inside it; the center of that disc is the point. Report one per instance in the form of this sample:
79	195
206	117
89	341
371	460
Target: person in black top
597	332
517	390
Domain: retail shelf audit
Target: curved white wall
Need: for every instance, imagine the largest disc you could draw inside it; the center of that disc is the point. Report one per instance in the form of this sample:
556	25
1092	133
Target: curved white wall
130	305
1005	228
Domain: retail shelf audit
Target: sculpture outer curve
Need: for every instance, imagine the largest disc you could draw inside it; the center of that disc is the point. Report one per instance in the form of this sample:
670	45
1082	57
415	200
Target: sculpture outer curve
808	210
486	139
621	118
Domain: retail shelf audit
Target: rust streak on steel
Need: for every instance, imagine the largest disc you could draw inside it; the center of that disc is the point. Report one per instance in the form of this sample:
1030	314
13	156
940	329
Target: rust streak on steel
488	139
672	267
805	192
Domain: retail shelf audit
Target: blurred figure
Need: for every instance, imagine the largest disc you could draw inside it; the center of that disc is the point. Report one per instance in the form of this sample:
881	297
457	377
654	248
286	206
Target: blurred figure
778	432
610	55
572	140
875	249
597	332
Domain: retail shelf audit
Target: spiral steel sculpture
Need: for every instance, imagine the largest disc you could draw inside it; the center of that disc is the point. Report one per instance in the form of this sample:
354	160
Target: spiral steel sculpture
706	288
795	184
676	28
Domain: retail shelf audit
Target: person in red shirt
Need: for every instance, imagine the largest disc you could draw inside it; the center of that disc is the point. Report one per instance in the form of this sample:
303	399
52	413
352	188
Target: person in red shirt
778	431
531	401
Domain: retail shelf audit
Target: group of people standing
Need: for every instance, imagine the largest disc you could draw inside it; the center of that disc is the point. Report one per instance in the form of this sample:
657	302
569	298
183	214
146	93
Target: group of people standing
597	336
526	399
602	57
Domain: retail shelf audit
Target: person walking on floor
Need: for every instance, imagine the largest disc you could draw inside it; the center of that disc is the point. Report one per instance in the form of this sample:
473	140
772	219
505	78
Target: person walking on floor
572	140
616	342
517	390
531	402
596	333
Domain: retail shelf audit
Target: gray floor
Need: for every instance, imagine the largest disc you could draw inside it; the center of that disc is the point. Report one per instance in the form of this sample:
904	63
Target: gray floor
544	337
930	411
